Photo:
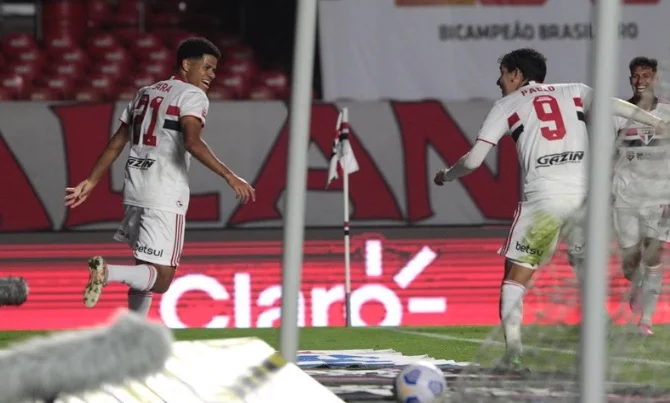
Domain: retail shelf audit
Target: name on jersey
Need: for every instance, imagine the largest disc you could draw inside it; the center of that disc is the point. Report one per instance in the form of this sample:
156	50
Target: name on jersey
162	87
139	163
560	158
537	90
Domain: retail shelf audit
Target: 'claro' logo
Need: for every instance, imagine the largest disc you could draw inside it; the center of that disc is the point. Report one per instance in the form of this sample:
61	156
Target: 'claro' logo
500	3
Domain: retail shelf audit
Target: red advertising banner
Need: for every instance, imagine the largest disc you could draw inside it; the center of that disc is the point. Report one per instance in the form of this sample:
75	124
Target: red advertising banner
238	284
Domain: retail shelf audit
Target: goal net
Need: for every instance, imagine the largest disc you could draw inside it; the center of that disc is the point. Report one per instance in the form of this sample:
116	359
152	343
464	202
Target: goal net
636	365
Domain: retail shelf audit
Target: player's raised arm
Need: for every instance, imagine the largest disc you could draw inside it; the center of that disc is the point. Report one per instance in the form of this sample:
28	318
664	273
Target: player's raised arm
77	195
624	109
192	127
493	129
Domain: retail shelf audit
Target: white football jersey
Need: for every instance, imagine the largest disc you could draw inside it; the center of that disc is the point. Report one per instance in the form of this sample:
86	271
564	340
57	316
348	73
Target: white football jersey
547	123
157	166
642	167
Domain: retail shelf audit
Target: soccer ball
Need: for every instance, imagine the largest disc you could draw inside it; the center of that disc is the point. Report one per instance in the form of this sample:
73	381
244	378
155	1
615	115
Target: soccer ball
420	382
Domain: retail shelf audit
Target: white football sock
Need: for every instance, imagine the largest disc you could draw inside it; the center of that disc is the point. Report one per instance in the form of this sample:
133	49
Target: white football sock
139	301
141	277
651	288
511	314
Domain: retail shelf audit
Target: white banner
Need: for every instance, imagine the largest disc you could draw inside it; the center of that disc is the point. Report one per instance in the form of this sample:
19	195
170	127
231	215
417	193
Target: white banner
398	145
449	49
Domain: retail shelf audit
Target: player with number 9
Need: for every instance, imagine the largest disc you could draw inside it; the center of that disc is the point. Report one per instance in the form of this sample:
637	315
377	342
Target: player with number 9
163	123
547	123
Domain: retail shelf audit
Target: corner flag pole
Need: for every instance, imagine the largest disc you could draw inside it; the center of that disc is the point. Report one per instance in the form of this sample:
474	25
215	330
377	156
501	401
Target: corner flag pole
345	193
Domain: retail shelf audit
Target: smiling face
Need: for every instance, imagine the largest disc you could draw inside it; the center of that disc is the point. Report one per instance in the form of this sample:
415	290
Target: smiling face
509	81
200	72
641	79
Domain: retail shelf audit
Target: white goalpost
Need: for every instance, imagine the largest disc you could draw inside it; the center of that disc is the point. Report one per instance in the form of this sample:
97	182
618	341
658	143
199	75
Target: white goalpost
602	71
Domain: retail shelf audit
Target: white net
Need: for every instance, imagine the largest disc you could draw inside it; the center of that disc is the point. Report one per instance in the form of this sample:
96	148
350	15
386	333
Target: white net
636	364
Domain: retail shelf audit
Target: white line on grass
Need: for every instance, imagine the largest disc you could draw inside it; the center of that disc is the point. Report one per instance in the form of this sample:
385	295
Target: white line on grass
545	349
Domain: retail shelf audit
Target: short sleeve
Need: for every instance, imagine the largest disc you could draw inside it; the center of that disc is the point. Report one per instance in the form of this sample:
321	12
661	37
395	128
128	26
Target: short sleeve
127	114
495	126
194	103
586	94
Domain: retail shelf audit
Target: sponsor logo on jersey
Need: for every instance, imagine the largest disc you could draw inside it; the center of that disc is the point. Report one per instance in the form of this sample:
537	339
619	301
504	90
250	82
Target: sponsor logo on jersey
148	250
560	158
527	249
140	163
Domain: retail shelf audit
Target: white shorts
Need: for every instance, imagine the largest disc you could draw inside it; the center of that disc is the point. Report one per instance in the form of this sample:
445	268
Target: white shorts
537	227
155	236
633	224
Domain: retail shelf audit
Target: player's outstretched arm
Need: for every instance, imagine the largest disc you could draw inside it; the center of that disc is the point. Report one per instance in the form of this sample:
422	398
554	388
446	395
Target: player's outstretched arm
466	164
192	126
629	111
77	195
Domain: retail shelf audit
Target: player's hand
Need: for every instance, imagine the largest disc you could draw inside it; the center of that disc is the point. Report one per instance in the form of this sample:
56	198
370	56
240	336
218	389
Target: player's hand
439	177
77	195
663	127
242	189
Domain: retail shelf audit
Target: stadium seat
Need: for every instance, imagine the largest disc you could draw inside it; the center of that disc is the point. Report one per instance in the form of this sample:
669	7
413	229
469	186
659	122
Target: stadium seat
118	55
276	81
105	84
14	84
158	70
56	45
6	95
236	83
98	13
145	43
239	52
123	20
29	71
87	94
126	93
261	92
43	94
67	69
173	37
29	56
115	70
164	20
17	42
63	85
102	42
163	55
126	35
142	80
225	42
220	94
246	68
75	56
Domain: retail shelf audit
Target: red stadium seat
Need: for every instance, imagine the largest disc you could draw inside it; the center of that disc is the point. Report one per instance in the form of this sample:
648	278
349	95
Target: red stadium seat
73	70
173	37
74	56
236	83
240	52
29	71
142	80
102	42
87	94
30	56
164	20
164	56
43	94
261	92
220	94
145	43
127	93
98	12
60	44
158	70
127	35
226	42
118	55
17	42
61	84
276	81
115	70
14	84
104	84
123	20
246	68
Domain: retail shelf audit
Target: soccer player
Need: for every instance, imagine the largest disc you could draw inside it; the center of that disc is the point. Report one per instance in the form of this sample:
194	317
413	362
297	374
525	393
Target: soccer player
641	193
163	124
546	121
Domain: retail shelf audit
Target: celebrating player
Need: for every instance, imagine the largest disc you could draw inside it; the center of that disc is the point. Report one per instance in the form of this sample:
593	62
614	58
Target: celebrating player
163	124
546	121
641	193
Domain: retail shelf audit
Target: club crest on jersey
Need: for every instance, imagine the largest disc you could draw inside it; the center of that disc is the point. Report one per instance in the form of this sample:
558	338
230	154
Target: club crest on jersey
646	135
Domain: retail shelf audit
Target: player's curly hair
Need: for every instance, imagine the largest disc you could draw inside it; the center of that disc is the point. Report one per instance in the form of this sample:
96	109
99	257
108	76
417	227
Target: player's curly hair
196	48
529	61
642	61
